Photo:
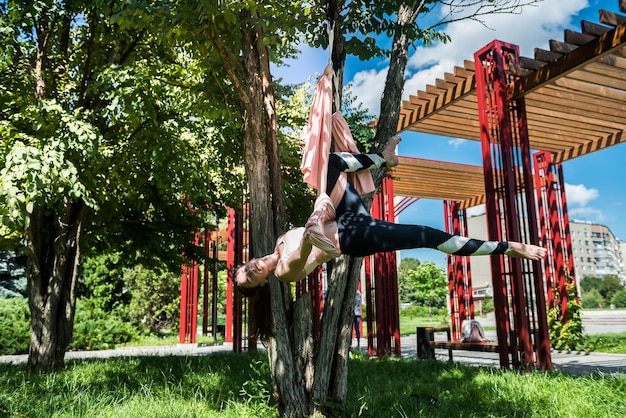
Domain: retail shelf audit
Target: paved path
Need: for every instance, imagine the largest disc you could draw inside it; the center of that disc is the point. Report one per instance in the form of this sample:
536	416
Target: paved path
569	362
573	363
594	322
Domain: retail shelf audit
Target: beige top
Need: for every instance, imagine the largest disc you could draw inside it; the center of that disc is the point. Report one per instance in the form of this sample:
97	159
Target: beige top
291	240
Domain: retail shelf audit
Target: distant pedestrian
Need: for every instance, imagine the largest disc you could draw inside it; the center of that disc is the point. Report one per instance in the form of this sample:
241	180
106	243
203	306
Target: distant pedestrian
357	317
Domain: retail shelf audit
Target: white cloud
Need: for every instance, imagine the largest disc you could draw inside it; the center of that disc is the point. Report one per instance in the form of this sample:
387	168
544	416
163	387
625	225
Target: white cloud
534	27
587	214
579	194
456	143
368	87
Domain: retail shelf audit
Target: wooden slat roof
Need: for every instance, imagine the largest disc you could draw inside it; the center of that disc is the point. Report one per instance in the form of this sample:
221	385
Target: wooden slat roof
575	96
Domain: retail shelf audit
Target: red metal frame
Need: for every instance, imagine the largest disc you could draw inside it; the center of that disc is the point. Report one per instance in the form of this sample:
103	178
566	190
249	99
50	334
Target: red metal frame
210	289
189	302
555	233
385	289
234	303
459	272
370	293
519	295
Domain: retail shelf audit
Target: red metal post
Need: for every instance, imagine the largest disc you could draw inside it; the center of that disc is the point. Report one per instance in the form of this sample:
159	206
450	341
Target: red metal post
555	230
383	331
230	266
386	279
369	308
205	283
392	266
510	207
234	303
189	302
459	272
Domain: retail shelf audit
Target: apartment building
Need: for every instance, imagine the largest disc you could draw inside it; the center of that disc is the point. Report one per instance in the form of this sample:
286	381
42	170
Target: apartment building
596	250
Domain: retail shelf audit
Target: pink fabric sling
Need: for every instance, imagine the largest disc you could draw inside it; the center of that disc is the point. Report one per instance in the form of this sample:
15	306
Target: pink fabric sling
323	126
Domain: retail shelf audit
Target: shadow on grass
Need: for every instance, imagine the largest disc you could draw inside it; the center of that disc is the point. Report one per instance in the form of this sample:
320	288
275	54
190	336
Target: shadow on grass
226	384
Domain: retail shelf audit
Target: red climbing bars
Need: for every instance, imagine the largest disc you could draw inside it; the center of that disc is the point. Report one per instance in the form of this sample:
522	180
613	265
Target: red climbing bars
518	285
555	232
189	302
459	272
385	282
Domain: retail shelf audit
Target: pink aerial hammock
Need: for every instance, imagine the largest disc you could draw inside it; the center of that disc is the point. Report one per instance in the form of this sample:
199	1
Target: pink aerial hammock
323	126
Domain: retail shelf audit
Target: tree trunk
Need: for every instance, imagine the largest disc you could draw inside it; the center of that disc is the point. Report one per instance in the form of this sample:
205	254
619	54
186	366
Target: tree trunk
306	374
53	245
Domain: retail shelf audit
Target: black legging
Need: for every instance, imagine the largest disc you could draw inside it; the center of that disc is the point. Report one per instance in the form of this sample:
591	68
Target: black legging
360	234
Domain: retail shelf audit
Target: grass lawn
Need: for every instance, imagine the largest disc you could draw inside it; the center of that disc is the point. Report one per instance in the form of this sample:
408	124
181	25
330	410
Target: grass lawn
237	385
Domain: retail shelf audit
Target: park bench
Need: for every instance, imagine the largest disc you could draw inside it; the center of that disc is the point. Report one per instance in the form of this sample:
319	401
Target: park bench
426	343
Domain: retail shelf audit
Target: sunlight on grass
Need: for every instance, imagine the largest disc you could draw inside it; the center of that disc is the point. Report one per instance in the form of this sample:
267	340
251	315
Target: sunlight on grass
238	385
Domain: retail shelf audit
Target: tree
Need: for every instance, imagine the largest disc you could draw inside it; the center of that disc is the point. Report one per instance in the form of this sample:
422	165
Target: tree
106	141
406	288
619	299
155	298
589	283
431	283
610	286
240	33
592	299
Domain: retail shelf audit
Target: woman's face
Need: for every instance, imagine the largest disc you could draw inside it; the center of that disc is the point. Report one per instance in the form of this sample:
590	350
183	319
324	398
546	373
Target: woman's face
254	273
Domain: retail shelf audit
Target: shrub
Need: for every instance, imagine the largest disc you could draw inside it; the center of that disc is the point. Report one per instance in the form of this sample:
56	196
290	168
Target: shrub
14	326
619	299
155	301
592	299
566	329
95	329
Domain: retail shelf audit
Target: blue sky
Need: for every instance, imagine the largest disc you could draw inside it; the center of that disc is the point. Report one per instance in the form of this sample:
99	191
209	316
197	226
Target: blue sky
595	187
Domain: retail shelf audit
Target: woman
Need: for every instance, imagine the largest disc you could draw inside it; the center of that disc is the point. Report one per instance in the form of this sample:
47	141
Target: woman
340	224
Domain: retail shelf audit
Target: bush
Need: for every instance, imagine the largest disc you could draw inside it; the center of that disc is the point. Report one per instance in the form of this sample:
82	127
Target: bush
155	302
95	329
592	299
619	299
14	326
566	329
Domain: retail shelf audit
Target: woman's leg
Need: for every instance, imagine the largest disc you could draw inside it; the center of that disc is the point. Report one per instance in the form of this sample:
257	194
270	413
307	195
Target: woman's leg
340	163
360	235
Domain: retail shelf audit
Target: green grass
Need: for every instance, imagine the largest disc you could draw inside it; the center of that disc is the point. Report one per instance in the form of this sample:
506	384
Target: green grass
237	385
157	341
607	343
409	324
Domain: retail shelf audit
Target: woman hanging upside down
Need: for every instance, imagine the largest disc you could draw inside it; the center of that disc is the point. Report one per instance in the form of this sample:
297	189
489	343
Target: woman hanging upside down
340	224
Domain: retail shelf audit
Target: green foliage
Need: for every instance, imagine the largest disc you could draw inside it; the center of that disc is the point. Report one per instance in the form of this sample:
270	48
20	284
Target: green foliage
210	386
147	298
421	312
619	299
103	280
488	304
257	390
592	299
95	329
610	286
14	326
431	284
589	283
126	125
155	301
607	343
566	329
406	288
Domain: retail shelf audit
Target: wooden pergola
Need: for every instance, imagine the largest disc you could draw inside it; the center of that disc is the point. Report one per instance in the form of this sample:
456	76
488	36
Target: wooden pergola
575	97
561	104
